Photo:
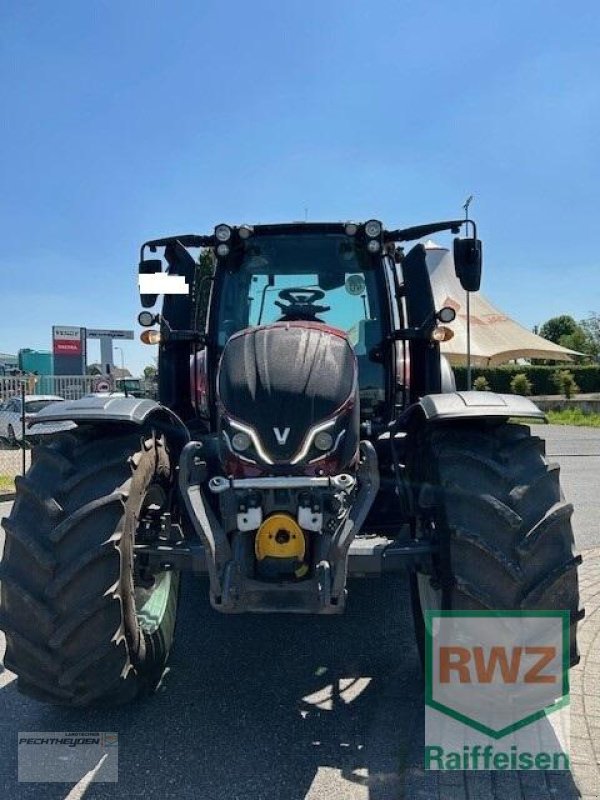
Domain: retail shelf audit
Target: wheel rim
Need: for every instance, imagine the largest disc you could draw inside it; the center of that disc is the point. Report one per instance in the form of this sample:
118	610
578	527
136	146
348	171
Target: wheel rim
151	602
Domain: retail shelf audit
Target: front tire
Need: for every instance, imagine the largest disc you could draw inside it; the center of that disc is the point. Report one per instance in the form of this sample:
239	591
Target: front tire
496	507
80	631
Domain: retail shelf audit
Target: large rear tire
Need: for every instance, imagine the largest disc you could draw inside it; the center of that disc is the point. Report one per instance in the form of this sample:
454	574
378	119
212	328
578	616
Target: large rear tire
508	535
79	631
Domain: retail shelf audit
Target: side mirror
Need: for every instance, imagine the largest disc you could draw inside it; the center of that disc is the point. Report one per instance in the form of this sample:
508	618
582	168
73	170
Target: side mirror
149	266
467	263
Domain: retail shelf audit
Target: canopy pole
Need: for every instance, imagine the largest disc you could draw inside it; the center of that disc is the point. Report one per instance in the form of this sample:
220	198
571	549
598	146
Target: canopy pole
469	383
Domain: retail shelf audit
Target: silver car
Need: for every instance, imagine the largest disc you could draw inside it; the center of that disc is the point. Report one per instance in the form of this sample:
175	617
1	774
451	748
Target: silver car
11	418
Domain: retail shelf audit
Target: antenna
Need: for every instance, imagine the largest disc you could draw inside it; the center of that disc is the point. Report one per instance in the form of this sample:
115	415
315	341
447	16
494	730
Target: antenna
466	205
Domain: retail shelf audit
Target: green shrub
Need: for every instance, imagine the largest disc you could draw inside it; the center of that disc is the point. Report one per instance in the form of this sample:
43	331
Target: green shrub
520	384
586	376
565	383
480	384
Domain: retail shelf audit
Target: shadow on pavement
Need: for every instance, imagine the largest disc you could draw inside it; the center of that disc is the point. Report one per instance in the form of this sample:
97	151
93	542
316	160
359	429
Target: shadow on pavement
273	707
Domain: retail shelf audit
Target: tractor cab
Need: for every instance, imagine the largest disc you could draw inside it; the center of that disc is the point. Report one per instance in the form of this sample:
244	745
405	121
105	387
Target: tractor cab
314	277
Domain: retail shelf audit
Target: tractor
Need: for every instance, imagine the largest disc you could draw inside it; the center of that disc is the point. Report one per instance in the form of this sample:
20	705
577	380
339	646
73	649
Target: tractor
307	429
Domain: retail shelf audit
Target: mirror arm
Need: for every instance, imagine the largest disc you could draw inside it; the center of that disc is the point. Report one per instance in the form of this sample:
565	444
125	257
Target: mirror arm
419	231
186	239
184	336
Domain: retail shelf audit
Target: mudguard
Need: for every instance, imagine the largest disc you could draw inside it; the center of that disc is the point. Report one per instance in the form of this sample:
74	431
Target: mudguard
134	410
471	405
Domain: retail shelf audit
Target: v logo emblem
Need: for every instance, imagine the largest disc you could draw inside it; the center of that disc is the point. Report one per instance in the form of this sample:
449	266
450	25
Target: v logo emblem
281	436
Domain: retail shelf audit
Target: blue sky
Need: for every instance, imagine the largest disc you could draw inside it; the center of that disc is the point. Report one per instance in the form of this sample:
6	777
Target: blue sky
127	120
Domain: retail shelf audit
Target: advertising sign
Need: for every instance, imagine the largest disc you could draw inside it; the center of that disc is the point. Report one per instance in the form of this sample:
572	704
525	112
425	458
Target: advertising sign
66	340
497	690
98	333
69	350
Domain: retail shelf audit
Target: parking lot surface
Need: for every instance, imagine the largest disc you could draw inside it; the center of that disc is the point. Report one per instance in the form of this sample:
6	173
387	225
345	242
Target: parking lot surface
274	707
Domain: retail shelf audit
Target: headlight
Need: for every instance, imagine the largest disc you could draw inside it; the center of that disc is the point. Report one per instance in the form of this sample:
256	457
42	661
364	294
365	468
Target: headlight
323	441
245	231
445	314
223	233
146	318
373	228
240	441
351	228
373	246
442	334
223	250
150	337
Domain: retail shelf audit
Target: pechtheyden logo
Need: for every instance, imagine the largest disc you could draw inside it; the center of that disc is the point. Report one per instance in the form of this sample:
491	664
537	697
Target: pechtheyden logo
497	690
68	757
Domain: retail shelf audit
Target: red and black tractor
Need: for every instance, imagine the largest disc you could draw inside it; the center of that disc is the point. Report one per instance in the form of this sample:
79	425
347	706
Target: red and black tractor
307	429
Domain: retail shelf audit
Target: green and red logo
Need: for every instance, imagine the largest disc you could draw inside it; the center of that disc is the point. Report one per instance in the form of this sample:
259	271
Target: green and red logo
497	675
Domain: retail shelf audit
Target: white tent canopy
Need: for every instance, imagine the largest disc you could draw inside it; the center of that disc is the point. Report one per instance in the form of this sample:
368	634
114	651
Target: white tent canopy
495	338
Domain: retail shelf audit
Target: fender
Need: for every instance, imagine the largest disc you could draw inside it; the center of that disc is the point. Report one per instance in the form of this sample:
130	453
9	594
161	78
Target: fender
133	410
474	405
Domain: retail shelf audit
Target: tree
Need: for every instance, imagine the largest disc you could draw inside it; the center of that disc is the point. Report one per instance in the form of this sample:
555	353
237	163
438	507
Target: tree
583	337
591	326
557	327
578	340
149	372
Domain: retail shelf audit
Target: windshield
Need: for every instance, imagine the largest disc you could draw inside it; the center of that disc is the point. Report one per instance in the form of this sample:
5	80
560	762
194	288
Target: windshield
312	277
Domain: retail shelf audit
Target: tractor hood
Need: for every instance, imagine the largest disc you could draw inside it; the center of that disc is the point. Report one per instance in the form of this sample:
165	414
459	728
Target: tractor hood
281	380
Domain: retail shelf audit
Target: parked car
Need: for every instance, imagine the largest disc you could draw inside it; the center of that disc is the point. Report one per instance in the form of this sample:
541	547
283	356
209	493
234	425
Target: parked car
11	418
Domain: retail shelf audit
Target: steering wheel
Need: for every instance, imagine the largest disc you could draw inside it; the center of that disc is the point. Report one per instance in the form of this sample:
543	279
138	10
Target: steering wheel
301	304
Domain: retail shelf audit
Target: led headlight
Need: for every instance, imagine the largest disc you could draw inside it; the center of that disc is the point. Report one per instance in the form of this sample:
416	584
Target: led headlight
445	314
373	228
240	441
245	231
323	441
222	250
223	233
351	228
146	318
373	246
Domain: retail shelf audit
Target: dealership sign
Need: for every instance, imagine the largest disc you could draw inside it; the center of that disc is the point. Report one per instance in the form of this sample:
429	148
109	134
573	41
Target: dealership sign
67	340
497	690
69	350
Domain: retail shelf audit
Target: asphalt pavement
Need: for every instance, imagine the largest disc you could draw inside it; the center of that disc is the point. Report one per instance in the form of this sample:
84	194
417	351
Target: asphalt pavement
286	708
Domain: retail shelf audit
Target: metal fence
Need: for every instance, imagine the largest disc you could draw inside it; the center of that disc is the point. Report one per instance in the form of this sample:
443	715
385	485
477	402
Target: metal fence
14	455
19	396
69	387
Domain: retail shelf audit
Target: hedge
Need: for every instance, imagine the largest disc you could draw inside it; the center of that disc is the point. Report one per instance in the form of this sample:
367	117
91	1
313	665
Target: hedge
587	377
